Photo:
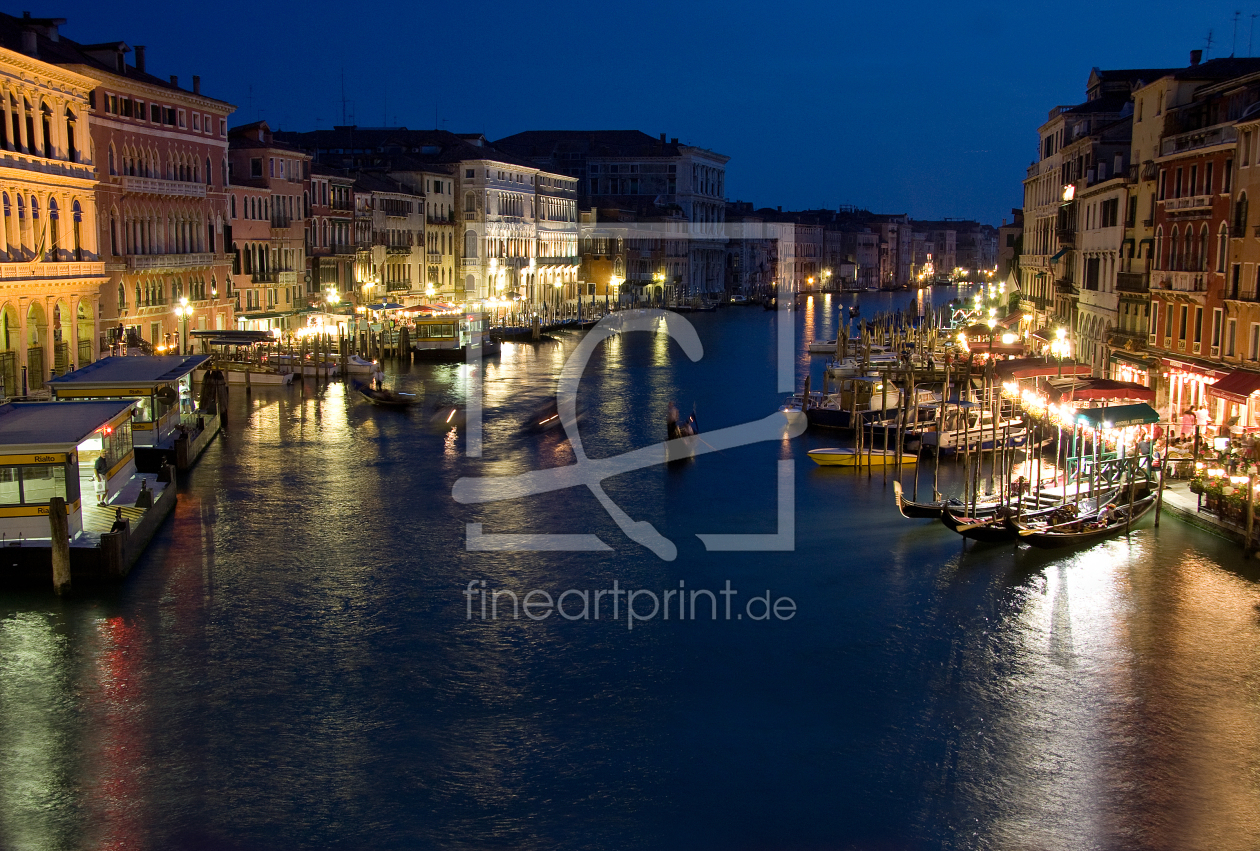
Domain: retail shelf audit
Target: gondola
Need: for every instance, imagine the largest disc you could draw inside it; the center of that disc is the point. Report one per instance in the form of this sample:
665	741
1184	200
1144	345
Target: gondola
993	529
912	510
1085	530
387	398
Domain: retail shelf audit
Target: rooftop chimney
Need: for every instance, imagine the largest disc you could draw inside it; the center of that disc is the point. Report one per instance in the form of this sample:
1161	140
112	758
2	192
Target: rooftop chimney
30	43
662	138
196	84
674	141
1196	56
175	81
140	58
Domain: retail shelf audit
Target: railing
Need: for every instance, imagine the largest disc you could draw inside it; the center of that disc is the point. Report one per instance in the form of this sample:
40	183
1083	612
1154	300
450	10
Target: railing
438	220
398	249
263	277
435	257
1190	202
1221	134
34	162
1066	285
470	263
1132	282
140	262
1186	282
157	186
52	270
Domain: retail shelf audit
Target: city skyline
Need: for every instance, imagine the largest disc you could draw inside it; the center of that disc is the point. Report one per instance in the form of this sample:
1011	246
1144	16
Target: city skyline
978	148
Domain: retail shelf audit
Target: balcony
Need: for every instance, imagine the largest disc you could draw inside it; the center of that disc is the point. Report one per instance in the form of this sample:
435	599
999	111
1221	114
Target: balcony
156	262
435	257
1133	341
1184	282
1066	286
1132	282
263	277
1066	236
393	250
51	270
1190	202
470	263
438	220
156	186
1220	134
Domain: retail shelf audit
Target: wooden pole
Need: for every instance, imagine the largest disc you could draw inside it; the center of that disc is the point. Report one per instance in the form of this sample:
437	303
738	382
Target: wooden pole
60	531
883	415
940	431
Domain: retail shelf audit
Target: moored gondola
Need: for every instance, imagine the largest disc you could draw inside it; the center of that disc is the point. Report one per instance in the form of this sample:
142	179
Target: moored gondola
1111	520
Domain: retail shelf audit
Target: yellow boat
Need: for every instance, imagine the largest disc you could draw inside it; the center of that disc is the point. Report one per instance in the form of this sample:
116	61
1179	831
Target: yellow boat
853	458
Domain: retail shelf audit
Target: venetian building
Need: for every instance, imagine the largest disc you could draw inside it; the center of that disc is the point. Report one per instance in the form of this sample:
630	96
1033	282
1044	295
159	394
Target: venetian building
160	152
50	267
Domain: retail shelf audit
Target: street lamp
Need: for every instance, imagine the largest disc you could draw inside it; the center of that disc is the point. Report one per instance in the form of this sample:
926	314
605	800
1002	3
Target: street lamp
183	310
558	284
1060	346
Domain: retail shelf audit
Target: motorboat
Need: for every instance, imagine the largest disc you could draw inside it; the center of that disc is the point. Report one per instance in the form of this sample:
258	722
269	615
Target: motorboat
383	398
868	396
967	428
849	457
356	365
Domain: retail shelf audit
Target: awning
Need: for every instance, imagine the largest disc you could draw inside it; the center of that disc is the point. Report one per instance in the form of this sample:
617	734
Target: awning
1038	368
1117	416
1236	386
1055	257
1098	390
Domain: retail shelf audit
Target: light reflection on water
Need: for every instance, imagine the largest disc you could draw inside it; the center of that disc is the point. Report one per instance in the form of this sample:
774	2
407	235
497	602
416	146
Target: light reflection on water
290	666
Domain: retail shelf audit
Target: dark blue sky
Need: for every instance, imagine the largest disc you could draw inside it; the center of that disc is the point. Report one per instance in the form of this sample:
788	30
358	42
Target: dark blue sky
921	107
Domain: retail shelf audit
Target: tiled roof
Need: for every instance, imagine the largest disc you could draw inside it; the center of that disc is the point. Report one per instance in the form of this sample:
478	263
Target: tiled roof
546	144
65	51
127	370
56	423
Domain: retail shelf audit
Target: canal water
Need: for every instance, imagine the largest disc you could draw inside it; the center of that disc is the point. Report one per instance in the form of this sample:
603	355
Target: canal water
295	664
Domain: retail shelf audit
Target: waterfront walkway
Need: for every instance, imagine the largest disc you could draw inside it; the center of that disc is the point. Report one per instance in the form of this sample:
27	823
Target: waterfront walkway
1181	503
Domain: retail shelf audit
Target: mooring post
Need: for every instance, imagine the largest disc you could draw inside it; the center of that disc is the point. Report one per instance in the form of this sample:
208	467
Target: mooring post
60	530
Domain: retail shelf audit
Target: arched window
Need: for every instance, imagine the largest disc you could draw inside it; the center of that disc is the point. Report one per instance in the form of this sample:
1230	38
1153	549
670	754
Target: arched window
1188	260
1240	216
470	244
233	206
470	202
54	234
139	296
1173	249
122	297
1222	244
30	126
45	117
16	141
209	173
113	165
72	150
1203	249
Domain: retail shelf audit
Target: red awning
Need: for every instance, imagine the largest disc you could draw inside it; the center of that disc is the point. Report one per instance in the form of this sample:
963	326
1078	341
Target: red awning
1236	386
1099	390
1041	368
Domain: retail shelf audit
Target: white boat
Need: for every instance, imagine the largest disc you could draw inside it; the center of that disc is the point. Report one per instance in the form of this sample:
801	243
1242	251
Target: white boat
258	376
356	365
822	347
968	429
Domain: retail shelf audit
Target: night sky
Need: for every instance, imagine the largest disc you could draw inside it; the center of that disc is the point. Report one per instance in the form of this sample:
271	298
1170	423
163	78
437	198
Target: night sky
928	108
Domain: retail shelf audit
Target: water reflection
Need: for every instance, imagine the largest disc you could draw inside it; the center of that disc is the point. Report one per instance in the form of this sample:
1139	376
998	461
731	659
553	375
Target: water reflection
291	665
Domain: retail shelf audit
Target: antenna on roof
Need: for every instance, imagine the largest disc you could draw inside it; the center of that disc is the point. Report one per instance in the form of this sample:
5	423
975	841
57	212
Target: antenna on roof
343	97
1252	33
1233	46
1208	50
